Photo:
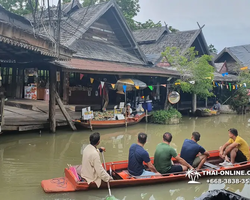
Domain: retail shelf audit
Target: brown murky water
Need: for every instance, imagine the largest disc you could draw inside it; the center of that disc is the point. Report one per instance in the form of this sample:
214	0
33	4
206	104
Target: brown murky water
28	158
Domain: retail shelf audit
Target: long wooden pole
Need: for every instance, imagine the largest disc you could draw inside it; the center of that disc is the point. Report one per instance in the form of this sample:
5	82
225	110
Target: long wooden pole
52	99
126	122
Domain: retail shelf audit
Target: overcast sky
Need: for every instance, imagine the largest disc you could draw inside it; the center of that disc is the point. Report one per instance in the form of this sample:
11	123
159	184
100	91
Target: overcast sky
227	22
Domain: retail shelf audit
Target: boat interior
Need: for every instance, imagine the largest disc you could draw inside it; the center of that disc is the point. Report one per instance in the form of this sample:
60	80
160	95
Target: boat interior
210	165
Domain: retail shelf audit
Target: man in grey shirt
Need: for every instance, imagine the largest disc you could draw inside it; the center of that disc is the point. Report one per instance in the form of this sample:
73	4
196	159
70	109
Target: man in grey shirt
217	106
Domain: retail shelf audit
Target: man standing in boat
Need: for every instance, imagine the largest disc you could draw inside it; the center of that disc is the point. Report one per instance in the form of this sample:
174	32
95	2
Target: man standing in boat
190	149
92	170
163	155
138	155
235	149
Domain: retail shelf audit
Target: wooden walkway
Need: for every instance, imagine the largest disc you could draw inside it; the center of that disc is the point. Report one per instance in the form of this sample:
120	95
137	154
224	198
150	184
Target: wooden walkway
25	115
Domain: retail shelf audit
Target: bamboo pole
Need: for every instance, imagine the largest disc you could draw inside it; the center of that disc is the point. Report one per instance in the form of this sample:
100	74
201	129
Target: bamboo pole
126	122
146	115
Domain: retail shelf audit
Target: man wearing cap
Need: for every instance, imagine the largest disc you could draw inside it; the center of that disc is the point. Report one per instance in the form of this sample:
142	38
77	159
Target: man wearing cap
128	110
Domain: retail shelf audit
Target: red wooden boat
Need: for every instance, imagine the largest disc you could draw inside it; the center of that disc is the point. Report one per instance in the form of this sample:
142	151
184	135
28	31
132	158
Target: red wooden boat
110	123
122	178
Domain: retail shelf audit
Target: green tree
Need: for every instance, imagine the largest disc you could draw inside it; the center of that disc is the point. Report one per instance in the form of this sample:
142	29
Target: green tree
20	7
196	74
173	30
240	98
147	24
212	49
66	1
130	9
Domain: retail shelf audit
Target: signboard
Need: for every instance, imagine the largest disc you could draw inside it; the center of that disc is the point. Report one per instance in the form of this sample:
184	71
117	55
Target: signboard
87	114
121	104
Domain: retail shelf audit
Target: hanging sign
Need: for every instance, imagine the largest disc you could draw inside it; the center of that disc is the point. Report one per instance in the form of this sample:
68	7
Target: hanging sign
230	86
164	85
233	87
225	74
221	86
113	86
81	76
245	85
192	82
150	87
137	87
124	88
177	83
216	84
227	86
236	87
92	80
240	85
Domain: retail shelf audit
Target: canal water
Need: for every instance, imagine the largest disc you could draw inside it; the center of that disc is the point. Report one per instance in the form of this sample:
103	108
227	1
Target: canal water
28	158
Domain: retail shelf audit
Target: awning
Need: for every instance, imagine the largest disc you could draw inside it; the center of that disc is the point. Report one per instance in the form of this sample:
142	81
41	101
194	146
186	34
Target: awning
97	67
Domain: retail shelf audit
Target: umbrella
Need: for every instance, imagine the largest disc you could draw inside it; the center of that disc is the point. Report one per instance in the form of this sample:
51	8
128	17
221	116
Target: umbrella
131	84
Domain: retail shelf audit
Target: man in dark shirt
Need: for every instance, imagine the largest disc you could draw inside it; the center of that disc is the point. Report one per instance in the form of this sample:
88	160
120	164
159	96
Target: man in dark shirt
137	154
190	150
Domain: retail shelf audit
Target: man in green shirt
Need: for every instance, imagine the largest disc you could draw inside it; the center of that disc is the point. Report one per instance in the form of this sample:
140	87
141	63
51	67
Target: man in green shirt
163	155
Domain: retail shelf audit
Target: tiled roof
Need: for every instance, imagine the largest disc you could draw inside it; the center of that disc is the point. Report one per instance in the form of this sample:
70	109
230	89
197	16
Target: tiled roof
91	66
240	54
102	51
218	66
182	40
149	35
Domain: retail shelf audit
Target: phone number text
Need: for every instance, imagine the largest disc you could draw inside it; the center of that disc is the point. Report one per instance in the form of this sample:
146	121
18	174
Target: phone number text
228	181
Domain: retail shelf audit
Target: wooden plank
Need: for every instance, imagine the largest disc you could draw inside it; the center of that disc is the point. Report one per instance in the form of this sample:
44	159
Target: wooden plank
65	113
33	127
2	110
211	165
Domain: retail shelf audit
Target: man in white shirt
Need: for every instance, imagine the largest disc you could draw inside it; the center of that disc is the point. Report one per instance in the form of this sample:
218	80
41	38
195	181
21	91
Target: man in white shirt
92	169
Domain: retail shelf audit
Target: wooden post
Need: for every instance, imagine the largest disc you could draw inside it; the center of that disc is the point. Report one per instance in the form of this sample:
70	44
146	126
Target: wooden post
194	103
206	102
52	99
14	82
65	113
166	100
2	108
126	122
65	88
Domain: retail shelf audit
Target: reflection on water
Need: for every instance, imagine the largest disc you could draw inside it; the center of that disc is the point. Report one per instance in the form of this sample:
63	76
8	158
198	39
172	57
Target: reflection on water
28	158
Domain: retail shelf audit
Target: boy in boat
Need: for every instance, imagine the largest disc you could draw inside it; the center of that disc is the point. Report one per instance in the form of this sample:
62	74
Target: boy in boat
163	155
137	154
92	170
190	149
236	149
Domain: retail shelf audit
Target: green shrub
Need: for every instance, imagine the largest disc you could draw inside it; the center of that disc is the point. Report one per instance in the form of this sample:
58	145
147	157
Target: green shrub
161	116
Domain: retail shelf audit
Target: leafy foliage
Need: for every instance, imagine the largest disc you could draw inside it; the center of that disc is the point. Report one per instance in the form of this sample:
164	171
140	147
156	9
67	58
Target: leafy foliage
160	116
130	9
20	7
66	1
212	49
196	72
240	99
147	24
173	30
